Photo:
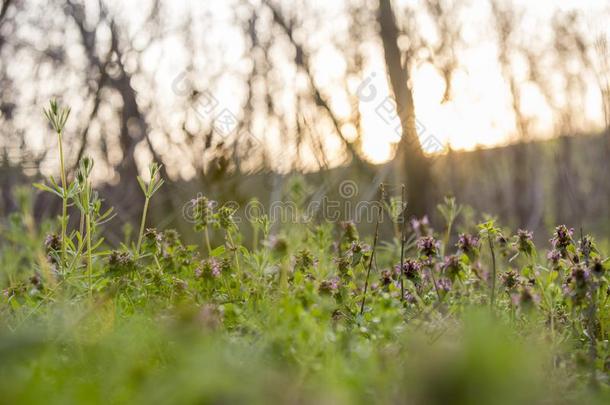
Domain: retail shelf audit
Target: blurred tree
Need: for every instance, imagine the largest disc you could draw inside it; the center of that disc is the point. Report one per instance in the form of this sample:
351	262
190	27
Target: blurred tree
412	165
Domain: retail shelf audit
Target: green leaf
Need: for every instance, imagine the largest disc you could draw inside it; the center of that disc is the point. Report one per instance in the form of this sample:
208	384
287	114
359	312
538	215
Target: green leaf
218	251
142	184
45	188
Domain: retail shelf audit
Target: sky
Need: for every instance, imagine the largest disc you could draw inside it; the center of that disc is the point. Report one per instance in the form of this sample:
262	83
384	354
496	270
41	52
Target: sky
478	115
480	112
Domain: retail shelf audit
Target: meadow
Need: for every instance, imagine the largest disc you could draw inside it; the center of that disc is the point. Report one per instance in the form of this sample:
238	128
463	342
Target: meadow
305	312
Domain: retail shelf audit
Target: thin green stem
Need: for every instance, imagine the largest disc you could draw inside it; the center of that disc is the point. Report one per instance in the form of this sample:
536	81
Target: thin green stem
438	293
142	224
64	211
403	240
88	226
89	254
207	240
368	272
234	248
493	272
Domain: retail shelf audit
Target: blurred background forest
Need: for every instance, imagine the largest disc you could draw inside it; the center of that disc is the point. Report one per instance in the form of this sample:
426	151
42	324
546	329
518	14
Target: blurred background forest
504	104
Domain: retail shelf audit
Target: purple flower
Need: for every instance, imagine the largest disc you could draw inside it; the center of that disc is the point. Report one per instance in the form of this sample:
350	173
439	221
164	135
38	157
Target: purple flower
410	298
330	286
510	279
411	269
524	241
356	252
597	267
211	268
562	238
428	246
350	232
553	256
386	277
525	298
451	266
215	268
468	244
585	245
421	227
580	276
443	284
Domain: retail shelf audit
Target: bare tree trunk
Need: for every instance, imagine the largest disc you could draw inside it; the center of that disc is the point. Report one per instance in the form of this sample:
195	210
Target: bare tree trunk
414	168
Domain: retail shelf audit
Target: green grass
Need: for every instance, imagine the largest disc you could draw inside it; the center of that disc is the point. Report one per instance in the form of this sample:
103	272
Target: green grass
486	317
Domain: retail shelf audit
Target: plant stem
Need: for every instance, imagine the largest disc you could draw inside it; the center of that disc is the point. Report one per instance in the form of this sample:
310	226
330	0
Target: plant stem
402	244
234	248
447	236
88	225
142	224
438	294
368	272
493	273
64	210
207	240
89	254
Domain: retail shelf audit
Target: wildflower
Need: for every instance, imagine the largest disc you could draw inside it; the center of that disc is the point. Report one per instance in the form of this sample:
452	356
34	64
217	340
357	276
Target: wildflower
225	217
524	242
304	260
411	270
387	277
171	237
180	284
209	317
576	284
505	248
215	269
152	240
278	245
580	277
525	298
120	262
510	279
350	232
52	244
586	247
343	265
468	244
452	266
410	298
357	251
501	240
443	284
330	286
209	268
203	212
553	256
597	267
421	227
36	281
428	246
562	239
